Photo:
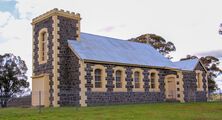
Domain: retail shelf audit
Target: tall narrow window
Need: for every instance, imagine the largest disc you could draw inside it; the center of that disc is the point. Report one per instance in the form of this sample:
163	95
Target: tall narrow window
198	80
118	79
44	46
98	78
137	79
153	80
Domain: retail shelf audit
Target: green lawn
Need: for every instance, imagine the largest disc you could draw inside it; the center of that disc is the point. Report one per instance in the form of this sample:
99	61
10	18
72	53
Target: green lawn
160	111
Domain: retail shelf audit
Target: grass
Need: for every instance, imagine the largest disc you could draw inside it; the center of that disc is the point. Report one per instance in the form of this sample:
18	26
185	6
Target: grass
159	111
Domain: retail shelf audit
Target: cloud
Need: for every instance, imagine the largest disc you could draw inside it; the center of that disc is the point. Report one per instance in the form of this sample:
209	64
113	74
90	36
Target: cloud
7	0
192	30
16	32
5	17
111	28
16	37
215	53
108	29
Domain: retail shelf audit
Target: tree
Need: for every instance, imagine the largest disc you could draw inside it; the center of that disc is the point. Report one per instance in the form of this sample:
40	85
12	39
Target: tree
212	65
189	57
13	79
158	42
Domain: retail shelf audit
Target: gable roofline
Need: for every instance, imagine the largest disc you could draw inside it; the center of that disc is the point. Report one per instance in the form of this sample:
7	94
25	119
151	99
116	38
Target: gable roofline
189	64
74	52
201	65
117	39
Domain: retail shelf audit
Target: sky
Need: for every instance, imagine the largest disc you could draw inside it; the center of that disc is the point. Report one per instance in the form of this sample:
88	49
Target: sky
192	25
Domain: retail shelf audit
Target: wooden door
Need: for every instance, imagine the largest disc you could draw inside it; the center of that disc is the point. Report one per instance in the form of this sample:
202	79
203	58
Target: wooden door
171	88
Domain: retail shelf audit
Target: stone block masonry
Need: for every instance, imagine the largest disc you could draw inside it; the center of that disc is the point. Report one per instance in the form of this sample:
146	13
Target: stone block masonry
111	97
69	63
47	67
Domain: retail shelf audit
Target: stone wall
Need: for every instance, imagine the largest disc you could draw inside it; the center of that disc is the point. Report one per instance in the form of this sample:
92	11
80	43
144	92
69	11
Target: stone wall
110	97
201	95
69	63
190	86
47	67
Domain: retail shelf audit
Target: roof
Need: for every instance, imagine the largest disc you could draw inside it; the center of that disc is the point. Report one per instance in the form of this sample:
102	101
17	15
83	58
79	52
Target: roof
106	49
189	64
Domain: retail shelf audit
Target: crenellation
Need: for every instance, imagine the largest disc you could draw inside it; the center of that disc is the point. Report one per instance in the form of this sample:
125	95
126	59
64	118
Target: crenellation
54	12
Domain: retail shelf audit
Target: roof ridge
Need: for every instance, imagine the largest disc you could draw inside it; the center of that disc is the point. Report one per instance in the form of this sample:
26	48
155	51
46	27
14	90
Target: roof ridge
116	39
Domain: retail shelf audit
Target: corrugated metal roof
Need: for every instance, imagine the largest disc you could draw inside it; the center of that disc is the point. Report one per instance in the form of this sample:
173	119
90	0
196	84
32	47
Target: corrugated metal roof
187	64
105	49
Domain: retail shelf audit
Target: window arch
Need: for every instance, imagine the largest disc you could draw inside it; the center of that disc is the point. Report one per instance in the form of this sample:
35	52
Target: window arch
138	80
154	80
43	45
118	79
98	78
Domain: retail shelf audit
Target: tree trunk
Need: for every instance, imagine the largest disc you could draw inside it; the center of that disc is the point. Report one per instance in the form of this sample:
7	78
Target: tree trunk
3	103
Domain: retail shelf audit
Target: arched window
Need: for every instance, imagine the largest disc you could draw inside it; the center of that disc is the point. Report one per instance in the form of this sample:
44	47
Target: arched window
153	80
44	46
118	79
198	80
137	79
98	78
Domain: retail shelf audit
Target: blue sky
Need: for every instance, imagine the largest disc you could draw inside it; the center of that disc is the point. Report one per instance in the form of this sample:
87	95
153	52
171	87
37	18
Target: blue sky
191	25
8	6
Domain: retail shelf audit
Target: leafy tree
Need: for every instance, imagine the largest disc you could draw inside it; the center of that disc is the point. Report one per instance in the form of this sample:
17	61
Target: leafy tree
13	79
158	42
189	57
212	65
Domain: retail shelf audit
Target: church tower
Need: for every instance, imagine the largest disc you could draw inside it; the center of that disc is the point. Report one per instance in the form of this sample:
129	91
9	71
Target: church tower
51	55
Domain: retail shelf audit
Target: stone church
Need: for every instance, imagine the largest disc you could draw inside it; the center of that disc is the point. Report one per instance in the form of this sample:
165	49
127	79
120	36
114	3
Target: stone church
72	68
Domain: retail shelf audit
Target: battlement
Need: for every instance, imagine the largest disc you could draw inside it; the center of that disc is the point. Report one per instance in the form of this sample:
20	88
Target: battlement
55	12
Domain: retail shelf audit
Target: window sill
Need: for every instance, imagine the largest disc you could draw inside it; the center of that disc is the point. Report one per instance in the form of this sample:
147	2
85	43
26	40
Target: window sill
42	62
200	89
119	90
138	90
99	89
154	90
